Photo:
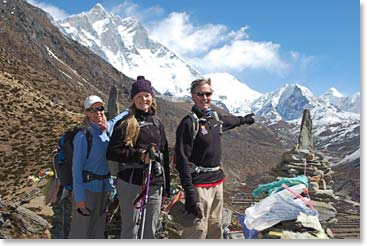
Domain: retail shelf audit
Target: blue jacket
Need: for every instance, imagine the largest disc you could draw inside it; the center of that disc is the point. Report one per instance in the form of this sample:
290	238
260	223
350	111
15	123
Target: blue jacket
96	163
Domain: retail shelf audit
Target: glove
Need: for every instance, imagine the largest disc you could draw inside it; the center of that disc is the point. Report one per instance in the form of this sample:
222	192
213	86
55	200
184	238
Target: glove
191	203
249	119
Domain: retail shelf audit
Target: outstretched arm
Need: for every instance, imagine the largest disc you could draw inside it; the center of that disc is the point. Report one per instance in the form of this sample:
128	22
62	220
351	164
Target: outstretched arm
230	121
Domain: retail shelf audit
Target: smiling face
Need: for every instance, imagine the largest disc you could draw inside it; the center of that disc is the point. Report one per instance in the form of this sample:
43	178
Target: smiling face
202	96
95	112
143	101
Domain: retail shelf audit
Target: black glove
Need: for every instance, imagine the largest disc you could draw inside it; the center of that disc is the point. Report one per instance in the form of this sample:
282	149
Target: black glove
249	119
191	203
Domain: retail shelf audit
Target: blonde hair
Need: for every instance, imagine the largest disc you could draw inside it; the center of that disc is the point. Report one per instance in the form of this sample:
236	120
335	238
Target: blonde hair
131	125
199	82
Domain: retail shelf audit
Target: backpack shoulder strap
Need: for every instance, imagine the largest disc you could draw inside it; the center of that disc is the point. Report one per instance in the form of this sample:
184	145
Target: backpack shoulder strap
89	142
195	124
216	117
89	137
156	121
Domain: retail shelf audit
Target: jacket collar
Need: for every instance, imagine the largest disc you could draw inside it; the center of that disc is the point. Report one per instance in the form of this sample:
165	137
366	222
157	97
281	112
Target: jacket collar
202	113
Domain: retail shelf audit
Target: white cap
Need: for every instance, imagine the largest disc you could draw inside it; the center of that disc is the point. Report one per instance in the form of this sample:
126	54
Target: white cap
89	101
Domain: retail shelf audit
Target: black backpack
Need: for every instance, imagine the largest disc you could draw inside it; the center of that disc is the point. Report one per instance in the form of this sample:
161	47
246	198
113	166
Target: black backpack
64	156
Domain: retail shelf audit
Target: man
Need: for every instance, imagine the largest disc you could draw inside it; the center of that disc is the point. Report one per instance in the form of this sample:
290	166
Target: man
198	161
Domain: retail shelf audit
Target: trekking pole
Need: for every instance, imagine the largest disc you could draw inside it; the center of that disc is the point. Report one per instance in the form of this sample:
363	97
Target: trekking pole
114	212
143	207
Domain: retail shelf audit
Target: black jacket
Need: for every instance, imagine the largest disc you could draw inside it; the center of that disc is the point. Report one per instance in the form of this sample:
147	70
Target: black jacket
205	150
131	156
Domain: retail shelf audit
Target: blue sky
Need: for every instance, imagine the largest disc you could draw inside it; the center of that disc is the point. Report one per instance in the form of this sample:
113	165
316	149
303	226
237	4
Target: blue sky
263	43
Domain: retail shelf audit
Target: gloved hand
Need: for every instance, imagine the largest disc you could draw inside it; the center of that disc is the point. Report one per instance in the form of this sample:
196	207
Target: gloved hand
249	119
191	203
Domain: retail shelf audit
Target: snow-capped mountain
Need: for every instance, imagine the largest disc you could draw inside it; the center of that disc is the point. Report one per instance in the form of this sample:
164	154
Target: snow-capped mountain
231	92
343	103
125	44
336	132
289	101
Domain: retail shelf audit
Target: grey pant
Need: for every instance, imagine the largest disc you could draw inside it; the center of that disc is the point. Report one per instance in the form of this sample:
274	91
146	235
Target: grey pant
127	193
93	226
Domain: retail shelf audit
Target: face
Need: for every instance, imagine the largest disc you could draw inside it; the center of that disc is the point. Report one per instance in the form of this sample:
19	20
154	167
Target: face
143	101
94	114
202	95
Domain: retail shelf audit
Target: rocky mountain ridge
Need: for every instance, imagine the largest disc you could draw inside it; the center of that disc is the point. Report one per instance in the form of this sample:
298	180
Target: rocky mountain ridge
125	44
107	34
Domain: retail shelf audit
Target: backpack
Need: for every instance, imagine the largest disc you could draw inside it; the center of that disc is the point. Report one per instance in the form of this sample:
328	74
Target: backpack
196	123
196	126
64	155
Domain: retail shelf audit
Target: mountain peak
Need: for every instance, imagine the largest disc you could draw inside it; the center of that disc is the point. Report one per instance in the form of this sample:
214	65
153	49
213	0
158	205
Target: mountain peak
98	12
98	8
333	92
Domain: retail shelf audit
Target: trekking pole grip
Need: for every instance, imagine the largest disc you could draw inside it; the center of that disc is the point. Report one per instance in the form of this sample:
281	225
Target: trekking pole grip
152	148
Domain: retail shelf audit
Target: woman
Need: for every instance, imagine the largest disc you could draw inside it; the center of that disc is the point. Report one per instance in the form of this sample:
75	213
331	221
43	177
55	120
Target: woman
91	172
129	144
198	161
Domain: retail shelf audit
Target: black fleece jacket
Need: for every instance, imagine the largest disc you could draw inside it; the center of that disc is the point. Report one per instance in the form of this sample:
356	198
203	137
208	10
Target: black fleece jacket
205	150
131	156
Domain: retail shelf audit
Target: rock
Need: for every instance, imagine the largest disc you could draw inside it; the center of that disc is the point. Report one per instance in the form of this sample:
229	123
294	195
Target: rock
305	139
329	233
313	187
21	222
326	211
324	194
292	156
113	108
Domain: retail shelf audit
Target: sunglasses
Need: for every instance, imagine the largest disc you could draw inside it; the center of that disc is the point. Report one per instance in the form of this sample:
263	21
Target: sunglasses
207	94
93	110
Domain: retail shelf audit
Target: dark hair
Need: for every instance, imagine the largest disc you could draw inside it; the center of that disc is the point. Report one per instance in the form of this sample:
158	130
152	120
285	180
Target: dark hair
198	82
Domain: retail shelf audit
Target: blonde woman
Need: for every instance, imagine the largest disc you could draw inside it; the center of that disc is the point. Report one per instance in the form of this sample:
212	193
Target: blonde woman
131	138
91	172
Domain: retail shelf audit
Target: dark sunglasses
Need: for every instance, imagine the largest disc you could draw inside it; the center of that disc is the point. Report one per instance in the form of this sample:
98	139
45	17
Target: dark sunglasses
207	94
93	110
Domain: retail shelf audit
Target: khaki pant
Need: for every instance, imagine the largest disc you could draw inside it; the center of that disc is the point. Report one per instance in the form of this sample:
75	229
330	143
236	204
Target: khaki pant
211	204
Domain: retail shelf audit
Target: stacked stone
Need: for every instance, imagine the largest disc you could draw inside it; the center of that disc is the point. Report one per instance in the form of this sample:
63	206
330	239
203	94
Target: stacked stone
303	160
314	166
317	170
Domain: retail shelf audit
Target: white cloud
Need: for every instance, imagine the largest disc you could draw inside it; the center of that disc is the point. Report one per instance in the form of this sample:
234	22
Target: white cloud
128	8
212	47
241	55
301	61
180	35
294	55
55	12
240	34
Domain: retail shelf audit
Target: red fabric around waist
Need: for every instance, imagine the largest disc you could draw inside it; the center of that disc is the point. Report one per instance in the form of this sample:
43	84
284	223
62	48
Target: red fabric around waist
210	184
